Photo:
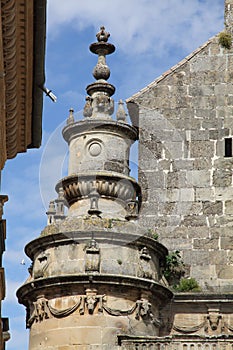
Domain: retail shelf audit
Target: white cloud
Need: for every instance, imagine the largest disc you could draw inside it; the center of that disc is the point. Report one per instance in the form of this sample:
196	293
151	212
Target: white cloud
141	25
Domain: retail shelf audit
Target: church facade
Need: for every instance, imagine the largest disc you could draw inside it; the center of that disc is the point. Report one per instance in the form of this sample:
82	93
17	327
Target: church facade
147	264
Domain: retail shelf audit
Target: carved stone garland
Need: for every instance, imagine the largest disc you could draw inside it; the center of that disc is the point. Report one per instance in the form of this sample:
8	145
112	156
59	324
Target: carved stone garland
213	322
42	309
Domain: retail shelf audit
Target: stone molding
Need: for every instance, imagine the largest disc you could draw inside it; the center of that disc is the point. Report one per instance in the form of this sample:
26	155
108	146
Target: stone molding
108	185
101	236
17	53
70	284
128	342
71	131
18	76
211	322
42	309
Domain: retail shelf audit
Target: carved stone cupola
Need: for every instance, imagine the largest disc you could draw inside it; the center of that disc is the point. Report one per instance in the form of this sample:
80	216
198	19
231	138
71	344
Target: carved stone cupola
95	272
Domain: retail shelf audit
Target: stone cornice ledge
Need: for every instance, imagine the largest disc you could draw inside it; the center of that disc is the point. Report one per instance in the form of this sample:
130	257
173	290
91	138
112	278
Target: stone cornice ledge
101	236
70	284
89	125
202	298
130	339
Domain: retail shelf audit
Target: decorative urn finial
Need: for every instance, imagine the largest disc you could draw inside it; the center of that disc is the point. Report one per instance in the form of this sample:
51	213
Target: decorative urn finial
99	104
101	71
102	35
70	118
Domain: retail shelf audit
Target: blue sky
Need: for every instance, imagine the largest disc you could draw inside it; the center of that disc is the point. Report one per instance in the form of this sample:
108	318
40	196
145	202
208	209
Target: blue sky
150	36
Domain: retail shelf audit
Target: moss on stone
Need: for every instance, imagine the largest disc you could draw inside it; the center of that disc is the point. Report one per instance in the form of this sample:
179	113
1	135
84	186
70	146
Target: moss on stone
49	230
188	285
225	40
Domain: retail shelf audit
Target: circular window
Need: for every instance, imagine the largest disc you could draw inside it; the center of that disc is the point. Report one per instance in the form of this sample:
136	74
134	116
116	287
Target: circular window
94	149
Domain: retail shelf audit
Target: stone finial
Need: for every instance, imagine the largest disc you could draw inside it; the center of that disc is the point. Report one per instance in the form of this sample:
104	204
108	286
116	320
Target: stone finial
102	35
87	111
121	114
51	212
60	205
99	104
70	119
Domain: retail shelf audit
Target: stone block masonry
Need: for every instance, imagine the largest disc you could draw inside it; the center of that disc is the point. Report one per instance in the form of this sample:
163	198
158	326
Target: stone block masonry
184	118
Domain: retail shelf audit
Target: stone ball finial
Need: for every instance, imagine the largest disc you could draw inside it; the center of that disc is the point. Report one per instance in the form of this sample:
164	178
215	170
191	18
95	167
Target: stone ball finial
102	35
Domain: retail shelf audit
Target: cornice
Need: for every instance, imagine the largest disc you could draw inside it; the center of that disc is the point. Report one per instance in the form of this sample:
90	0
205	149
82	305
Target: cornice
20	20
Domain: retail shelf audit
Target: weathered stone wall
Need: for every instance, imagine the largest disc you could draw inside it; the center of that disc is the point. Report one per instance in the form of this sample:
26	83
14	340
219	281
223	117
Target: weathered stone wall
187	192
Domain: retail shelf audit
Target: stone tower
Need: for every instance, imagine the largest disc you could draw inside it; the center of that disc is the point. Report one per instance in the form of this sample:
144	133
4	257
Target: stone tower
95	273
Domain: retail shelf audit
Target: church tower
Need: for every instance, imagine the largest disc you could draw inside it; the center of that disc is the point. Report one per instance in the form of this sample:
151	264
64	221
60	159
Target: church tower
95	272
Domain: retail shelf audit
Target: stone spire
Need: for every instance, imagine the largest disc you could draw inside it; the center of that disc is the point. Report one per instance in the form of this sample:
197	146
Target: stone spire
99	104
99	148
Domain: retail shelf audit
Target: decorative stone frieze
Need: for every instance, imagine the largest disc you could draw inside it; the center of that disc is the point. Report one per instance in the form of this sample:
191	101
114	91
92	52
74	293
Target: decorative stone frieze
107	185
87	304
174	343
